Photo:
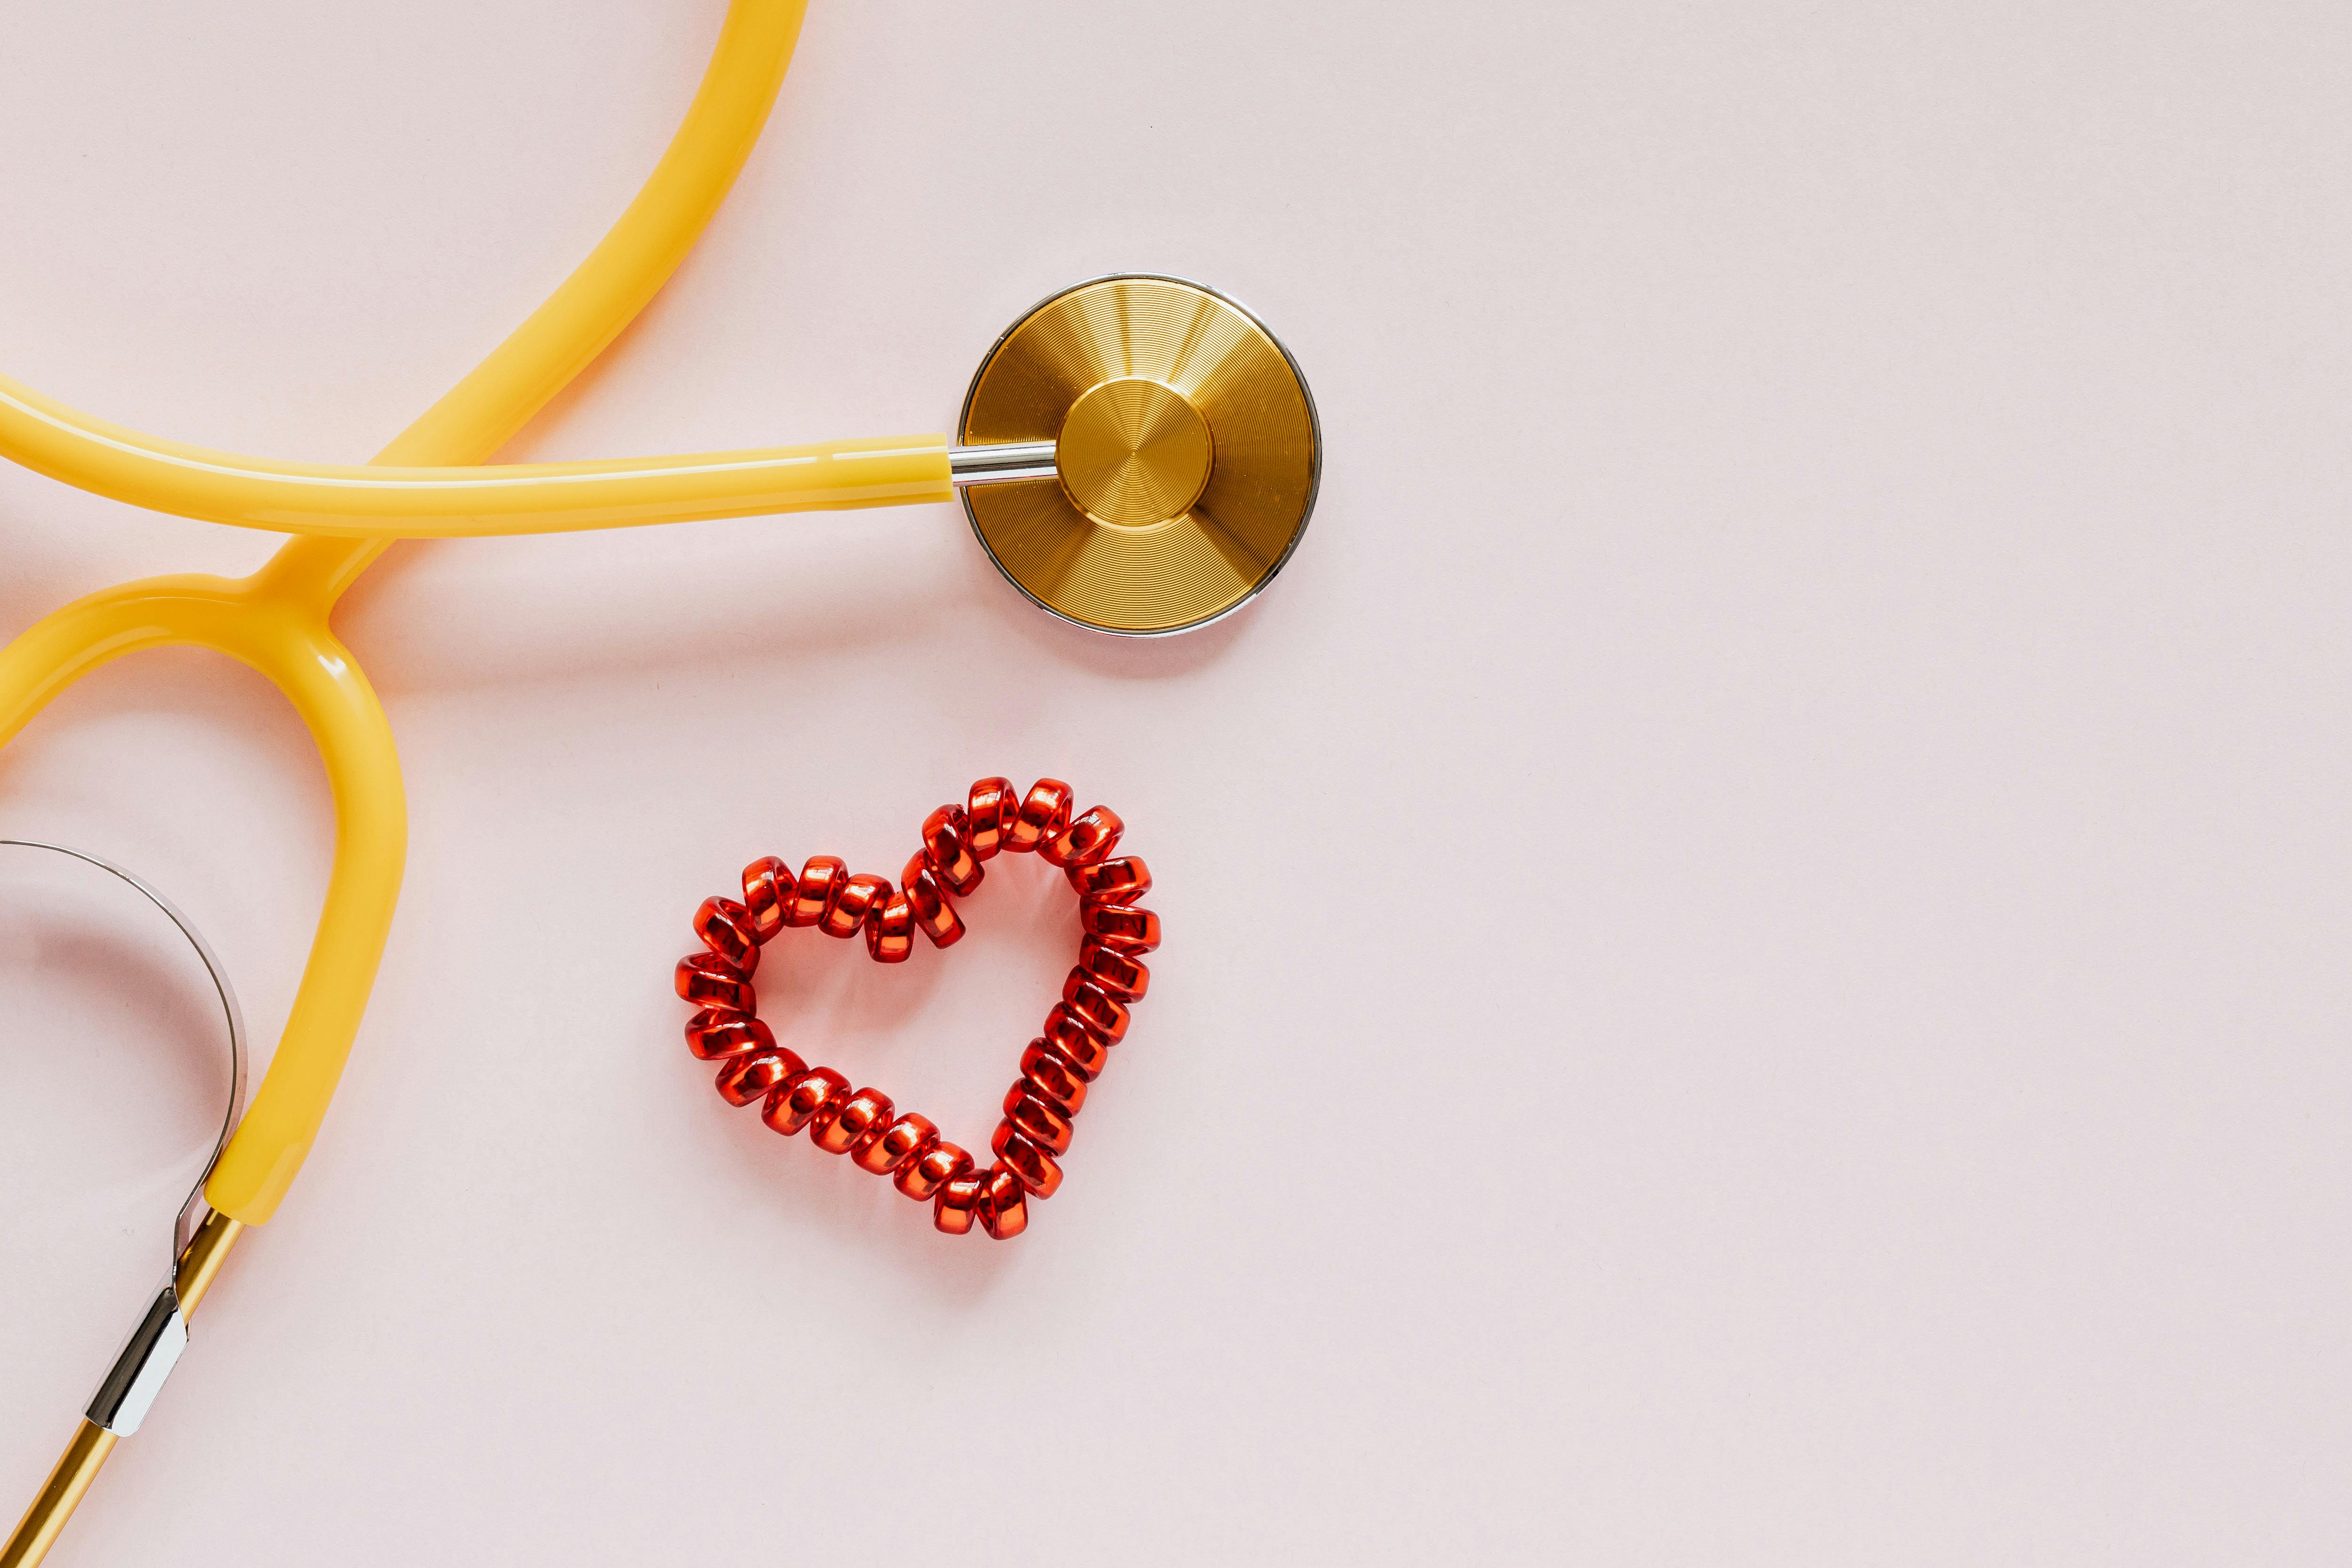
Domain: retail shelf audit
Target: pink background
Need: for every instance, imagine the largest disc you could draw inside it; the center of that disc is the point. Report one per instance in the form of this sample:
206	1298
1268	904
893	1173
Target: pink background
1756	923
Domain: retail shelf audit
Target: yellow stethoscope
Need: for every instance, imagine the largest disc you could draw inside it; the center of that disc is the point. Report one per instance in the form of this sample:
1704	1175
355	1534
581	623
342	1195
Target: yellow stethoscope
1138	454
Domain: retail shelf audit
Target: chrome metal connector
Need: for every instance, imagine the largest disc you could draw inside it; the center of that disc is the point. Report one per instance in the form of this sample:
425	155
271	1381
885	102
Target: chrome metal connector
129	1391
994	464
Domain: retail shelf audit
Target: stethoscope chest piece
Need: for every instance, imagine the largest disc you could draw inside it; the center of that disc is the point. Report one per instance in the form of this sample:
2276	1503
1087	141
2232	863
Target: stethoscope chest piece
1186	454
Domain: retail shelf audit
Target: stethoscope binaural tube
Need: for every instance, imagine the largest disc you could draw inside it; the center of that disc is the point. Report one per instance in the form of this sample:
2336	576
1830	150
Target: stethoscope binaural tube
199	1246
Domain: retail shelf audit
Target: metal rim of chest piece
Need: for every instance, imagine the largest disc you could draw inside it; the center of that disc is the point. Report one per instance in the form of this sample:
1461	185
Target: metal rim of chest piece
1187	454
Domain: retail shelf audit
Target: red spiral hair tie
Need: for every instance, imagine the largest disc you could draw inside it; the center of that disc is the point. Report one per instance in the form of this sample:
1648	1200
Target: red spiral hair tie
958	842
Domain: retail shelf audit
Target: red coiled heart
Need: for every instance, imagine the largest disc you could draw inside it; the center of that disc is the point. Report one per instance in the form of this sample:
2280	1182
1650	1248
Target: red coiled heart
958	841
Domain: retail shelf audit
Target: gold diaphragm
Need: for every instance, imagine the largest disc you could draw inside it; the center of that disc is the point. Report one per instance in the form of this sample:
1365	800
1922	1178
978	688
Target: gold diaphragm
1187	455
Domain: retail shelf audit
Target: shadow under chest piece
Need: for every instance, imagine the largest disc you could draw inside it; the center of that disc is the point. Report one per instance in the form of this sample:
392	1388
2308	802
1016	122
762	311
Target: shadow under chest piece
1056	1067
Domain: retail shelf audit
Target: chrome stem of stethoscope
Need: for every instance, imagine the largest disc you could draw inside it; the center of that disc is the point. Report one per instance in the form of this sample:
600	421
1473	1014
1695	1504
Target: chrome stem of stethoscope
1006	460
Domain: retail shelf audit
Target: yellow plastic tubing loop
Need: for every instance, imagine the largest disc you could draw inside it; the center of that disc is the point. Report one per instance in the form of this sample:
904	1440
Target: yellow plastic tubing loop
277	620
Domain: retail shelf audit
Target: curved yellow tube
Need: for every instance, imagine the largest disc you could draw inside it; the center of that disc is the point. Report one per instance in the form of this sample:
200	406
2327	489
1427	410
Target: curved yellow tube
287	642
419	489
277	620
381	501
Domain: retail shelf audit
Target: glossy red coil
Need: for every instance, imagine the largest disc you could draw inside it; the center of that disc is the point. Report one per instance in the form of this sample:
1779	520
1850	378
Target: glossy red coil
804	1097
1121	881
1121	926
1003	1205
958	1203
1088	838
924	1175
1114	971
992	806
1044	813
926	897
1036	1118
1070	1039
1050	1078
744	1079
715	1035
767	889
956	841
947	844
725	927
907	1137
820	883
860	896
1028	1160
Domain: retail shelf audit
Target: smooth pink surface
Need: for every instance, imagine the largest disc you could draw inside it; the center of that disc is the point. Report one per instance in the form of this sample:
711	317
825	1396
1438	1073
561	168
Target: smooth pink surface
1834	548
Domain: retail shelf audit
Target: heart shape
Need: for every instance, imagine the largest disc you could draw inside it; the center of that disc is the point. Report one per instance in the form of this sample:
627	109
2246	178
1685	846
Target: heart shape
957	840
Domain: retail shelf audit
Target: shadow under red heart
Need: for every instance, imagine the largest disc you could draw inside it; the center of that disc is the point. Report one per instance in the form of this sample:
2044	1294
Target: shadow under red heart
957	840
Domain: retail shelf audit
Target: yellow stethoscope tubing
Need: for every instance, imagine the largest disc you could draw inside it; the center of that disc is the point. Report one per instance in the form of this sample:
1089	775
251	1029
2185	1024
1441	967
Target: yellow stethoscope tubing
289	644
380	501
277	620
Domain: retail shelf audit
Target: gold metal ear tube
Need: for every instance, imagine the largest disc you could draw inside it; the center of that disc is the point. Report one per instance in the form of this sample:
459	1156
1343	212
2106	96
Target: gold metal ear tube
92	1443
